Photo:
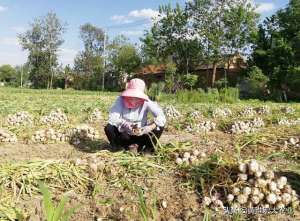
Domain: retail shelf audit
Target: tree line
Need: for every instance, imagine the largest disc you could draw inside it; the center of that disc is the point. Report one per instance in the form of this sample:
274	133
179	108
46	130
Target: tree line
181	37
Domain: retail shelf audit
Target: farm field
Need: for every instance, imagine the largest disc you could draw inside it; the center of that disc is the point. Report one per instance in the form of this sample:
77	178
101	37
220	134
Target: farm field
209	156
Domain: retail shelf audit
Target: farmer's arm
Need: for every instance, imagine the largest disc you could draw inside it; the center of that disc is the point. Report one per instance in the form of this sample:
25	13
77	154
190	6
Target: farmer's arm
115	114
159	116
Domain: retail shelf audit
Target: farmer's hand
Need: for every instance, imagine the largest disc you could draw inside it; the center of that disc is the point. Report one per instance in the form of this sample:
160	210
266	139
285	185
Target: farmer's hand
146	129
127	127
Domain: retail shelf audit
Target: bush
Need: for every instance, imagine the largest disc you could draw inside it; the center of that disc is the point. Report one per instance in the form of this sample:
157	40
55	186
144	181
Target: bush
255	84
189	80
155	90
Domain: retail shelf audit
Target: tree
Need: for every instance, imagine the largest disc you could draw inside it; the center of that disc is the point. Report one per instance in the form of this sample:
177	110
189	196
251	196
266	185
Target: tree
89	63
7	73
225	28
43	40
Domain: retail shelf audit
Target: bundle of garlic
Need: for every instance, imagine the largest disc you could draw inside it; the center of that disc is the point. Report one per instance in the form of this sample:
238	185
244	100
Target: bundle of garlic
46	135
195	115
83	133
56	117
204	126
7	136
293	141
247	127
287	110
264	110
171	112
248	112
19	118
257	186
189	157
95	116
221	112
287	122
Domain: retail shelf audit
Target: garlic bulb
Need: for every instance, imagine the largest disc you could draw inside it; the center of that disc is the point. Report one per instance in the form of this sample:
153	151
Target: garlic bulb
253	166
255	191
230	198
251	181
282	181
279	205
206	201
286	198
242	199
269	174
255	200
186	155
179	161
218	203
261	196
247	191
273	186
243	167
236	191
261	183
258	174
196	153
243	176
271	198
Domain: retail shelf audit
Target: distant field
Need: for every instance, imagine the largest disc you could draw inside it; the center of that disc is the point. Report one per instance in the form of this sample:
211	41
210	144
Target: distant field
121	186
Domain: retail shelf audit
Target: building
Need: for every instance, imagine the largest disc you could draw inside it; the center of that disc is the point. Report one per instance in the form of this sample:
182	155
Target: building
230	70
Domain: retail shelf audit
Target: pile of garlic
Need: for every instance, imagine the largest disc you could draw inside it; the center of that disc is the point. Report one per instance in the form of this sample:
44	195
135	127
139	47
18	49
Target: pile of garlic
247	127
205	126
248	112
171	112
21	118
255	187
188	158
287	110
264	110
7	136
287	122
46	135
82	133
293	141
221	112
195	115
56	117
258	187
95	116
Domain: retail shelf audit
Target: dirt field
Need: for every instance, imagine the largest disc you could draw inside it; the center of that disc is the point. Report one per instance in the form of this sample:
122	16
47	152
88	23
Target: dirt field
143	187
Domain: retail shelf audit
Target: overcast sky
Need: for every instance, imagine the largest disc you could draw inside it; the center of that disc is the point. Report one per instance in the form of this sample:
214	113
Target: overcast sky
128	17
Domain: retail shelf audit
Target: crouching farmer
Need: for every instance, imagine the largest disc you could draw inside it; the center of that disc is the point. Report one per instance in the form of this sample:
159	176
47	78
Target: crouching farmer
128	127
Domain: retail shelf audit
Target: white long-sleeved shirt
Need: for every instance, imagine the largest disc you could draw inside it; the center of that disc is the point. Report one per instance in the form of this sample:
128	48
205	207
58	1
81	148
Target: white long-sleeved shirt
119	113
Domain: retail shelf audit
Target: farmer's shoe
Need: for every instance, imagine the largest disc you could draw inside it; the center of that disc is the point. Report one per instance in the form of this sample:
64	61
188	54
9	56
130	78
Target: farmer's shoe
133	148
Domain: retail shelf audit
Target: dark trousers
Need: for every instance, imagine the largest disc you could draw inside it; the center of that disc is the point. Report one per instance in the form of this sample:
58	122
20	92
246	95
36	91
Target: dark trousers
123	140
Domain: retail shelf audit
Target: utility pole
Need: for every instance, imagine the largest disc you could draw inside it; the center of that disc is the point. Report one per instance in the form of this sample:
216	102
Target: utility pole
21	76
104	60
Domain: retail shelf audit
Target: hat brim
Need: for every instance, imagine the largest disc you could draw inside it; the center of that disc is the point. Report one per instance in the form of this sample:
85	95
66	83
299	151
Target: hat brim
134	93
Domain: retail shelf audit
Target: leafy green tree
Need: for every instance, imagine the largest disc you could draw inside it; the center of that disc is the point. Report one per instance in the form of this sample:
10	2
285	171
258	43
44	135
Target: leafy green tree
189	80
42	41
7	73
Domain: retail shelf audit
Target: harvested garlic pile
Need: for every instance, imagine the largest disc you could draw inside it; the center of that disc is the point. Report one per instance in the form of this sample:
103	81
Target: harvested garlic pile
265	110
7	136
171	112
248	112
83	133
221	112
287	122
56	117
95	116
195	115
46	135
247	127
21	118
189	157
205	126
293	141
287	110
258	187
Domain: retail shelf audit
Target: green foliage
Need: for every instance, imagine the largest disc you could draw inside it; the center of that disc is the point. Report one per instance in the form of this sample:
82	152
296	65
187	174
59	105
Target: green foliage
223	82
7	73
52	213
189	80
229	95
155	91
42	41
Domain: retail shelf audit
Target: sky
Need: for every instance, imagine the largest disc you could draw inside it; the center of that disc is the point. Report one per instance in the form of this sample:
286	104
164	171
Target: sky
127	17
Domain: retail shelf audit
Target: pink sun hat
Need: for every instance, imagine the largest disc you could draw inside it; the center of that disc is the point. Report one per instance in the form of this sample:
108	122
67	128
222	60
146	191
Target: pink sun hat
135	88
